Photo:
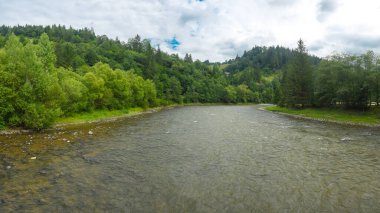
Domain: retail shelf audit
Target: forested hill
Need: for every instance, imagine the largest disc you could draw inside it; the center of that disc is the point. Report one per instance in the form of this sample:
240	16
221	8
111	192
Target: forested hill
48	72
54	71
177	80
268	59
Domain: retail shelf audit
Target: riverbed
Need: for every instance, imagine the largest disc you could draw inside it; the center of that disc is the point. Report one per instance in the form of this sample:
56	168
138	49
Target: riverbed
193	159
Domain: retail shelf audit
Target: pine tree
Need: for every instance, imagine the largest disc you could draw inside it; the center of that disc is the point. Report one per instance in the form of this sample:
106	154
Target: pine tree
297	82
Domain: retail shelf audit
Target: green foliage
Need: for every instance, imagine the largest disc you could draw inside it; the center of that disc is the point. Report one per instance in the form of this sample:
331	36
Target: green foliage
266	59
241	94
46	53
34	93
98	114
37	116
259	69
2	125
75	98
298	80
29	87
348	81
54	72
176	80
231	94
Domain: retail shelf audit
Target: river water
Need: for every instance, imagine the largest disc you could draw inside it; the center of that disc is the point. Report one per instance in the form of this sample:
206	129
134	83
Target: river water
193	159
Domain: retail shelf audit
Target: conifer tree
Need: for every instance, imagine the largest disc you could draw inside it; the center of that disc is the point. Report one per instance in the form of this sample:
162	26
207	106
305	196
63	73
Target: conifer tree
297	82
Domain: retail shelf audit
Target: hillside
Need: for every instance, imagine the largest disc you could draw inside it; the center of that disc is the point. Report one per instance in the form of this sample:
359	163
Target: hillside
53	71
93	72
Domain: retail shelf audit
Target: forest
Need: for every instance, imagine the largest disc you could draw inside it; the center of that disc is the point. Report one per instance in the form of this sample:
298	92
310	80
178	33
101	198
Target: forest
47	72
341	80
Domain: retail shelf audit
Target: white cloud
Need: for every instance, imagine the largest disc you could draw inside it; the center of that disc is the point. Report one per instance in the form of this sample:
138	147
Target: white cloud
213	29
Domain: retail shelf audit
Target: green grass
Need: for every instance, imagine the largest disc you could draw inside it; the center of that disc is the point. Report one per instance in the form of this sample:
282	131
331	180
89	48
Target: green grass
268	78
357	117
97	115
223	66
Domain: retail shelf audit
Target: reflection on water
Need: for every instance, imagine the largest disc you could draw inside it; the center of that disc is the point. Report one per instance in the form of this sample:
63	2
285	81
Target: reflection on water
194	159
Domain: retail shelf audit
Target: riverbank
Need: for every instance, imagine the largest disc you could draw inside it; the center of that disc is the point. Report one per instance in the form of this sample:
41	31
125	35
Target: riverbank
101	116
97	116
368	118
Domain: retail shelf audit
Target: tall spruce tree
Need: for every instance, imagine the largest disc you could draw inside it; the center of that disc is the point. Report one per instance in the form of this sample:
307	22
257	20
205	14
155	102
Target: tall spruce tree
298	79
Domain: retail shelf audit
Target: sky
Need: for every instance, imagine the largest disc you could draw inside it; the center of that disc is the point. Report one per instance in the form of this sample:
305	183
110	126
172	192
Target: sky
215	30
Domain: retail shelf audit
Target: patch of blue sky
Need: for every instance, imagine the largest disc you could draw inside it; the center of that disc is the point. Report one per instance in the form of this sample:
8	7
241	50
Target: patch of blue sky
173	43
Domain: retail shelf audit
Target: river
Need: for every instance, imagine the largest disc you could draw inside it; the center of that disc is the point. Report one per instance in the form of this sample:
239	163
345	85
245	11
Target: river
193	159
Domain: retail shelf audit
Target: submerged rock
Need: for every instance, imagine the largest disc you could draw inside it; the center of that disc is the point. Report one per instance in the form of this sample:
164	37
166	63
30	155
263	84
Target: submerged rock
346	139
43	172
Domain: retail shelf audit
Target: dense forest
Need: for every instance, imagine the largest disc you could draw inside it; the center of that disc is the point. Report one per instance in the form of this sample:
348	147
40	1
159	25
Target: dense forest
340	80
48	72
260	69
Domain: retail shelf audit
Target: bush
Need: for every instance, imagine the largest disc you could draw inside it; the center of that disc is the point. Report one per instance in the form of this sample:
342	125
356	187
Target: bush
2	124
38	116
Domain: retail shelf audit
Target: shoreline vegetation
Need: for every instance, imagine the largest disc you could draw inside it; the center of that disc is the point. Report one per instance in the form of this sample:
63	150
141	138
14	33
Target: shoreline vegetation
49	72
97	116
100	116
369	118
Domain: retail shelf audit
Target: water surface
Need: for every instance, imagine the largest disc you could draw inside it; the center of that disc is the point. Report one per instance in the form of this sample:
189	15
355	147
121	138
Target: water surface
194	159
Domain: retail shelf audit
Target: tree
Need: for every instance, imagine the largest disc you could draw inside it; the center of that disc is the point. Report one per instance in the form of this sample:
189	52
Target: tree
29	84
135	43
188	58
326	82
347	80
298	79
75	92
375	81
231	94
243	93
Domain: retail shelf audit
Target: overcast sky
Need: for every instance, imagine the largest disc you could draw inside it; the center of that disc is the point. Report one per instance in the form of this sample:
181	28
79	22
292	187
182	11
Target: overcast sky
214	29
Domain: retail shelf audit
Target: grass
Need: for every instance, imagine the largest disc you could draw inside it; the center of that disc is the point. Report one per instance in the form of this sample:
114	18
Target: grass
223	66
268	78
97	115
356	117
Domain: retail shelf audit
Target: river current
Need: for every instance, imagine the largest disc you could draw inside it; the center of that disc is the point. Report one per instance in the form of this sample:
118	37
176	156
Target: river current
193	159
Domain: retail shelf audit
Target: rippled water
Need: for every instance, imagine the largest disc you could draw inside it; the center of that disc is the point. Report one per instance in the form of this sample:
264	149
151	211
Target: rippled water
194	159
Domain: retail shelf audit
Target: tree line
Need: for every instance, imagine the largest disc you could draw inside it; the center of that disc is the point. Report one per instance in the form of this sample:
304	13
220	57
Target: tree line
260	69
340	80
176	80
33	92
54	71
48	72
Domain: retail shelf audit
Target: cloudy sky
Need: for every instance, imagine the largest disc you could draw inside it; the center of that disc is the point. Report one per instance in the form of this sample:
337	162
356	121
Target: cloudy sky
214	29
